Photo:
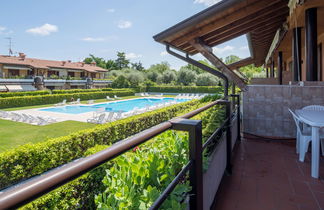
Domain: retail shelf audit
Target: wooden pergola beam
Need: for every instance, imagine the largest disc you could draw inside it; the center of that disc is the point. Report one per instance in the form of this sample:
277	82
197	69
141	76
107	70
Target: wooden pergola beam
207	52
260	26
246	30
253	22
247	10
238	64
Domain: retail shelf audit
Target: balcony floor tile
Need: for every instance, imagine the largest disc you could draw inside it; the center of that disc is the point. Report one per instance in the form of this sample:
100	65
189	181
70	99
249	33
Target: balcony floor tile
267	175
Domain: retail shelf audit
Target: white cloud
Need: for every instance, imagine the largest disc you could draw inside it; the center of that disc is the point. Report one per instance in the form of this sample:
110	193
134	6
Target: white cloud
207	2
93	39
98	39
133	55
164	53
244	47
221	50
111	10
124	24
43	30
4	30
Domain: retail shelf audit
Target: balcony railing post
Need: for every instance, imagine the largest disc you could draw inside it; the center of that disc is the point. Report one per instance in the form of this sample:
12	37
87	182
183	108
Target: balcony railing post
238	103
228	137
238	117
194	127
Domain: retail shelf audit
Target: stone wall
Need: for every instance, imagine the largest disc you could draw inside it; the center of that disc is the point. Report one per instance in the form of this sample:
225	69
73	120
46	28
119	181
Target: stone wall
265	108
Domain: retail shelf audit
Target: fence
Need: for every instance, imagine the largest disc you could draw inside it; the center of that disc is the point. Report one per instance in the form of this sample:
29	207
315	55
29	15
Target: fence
27	191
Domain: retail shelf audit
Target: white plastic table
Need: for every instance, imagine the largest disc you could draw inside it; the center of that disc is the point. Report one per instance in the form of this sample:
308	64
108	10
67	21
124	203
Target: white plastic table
316	120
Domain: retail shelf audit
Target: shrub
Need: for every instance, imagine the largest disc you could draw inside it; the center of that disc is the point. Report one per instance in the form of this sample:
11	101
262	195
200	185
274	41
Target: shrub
186	77
79	90
33	159
206	79
55	98
185	89
27	93
121	82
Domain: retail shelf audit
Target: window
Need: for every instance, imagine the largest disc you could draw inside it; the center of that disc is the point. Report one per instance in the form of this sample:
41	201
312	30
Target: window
49	73
82	74
71	74
13	72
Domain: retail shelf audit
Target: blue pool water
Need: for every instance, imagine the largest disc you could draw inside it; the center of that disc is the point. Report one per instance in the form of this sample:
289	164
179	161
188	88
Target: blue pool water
112	106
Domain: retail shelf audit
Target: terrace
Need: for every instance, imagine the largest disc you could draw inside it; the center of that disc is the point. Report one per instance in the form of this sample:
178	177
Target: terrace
263	170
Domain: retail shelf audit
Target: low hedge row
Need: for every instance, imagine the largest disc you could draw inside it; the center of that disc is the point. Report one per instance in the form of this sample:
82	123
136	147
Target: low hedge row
80	90
55	98
27	93
185	89
33	159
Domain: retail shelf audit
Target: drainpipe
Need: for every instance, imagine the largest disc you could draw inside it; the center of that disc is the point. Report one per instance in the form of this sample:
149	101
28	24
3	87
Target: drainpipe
202	66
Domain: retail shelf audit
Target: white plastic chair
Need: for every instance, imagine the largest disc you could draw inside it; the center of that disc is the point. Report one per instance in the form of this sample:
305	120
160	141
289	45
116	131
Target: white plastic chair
110	117
98	119
109	99
303	137
61	104
116	97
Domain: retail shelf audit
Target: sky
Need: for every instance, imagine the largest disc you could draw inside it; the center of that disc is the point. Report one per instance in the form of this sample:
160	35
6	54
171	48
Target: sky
73	29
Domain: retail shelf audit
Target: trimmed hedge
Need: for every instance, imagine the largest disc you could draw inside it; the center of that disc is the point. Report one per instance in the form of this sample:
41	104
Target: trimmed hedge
80	90
27	93
56	98
185	89
33	159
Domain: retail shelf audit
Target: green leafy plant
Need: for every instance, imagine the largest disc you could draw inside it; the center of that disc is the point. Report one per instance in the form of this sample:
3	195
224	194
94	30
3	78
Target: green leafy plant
136	179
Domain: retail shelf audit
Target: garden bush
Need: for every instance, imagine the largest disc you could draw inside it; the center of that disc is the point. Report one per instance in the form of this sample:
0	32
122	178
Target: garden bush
55	98
80	90
33	159
186	89
27	93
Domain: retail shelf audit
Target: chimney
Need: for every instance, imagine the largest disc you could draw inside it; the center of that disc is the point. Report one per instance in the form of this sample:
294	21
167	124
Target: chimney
69	61
22	56
82	64
93	63
63	63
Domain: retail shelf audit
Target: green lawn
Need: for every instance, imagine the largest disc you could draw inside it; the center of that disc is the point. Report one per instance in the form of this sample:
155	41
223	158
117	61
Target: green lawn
13	134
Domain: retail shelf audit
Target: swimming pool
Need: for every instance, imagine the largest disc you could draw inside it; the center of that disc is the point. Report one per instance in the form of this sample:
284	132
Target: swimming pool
116	106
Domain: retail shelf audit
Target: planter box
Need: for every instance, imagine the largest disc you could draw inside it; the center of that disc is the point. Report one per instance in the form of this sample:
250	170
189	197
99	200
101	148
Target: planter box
217	165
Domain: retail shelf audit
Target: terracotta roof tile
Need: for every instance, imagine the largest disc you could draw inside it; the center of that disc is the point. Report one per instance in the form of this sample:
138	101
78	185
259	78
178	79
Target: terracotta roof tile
45	64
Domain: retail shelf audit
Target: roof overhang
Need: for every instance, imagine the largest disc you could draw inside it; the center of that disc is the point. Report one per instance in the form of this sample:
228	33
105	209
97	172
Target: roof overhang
228	19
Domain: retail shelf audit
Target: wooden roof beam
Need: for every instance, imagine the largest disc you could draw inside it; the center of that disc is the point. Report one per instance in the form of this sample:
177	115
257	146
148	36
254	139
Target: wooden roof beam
261	26
207	52
240	63
249	9
268	17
